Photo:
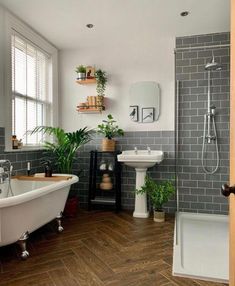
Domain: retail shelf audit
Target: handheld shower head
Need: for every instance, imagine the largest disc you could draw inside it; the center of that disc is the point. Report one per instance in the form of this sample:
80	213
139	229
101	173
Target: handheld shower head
213	65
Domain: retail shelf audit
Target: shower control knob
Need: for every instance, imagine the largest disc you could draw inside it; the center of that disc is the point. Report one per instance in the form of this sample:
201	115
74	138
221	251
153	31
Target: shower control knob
226	190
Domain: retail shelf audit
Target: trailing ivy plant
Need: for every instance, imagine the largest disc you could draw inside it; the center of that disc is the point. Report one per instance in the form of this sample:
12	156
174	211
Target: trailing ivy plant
109	129
101	80
62	150
159	193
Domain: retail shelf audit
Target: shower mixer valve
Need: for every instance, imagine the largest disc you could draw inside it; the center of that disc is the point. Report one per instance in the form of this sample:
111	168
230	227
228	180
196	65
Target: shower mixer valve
212	108
211	111
210	138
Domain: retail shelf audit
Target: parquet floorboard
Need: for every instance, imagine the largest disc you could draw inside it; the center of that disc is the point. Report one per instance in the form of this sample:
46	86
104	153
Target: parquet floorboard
97	248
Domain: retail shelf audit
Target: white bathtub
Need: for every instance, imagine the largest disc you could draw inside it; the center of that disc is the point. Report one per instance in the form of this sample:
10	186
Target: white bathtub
34	204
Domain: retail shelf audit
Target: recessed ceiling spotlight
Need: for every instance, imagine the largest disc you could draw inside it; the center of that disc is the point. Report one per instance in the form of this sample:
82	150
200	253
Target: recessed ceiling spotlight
90	26
184	13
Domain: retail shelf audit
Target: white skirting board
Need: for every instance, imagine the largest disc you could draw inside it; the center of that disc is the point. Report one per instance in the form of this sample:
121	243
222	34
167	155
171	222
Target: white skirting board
201	246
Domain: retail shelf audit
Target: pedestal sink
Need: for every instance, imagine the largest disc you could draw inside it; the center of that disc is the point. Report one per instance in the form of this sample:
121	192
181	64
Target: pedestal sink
141	160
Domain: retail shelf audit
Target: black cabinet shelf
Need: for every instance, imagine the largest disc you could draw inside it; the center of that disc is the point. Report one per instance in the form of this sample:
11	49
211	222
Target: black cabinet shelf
96	195
106	191
103	152
101	172
103	200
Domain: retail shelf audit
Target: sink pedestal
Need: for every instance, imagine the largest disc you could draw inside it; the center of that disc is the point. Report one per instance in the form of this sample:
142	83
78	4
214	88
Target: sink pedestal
141	160
141	210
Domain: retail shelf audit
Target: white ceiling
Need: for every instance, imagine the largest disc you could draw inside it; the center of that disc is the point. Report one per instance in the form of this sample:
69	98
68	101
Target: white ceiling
63	22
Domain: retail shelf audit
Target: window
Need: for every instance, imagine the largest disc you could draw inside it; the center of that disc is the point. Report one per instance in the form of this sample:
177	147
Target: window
31	83
31	96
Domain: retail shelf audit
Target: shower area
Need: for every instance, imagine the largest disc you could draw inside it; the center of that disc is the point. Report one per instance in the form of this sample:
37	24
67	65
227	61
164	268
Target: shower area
202	156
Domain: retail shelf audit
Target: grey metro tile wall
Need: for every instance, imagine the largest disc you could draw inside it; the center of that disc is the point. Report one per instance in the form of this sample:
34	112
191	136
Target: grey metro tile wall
19	159
163	140
198	191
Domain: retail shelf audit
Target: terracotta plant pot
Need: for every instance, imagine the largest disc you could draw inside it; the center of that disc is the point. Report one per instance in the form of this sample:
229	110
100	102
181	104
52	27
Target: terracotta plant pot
158	216
71	207
108	144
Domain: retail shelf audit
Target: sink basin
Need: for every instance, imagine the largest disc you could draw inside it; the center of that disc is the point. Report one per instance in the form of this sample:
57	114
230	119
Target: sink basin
141	159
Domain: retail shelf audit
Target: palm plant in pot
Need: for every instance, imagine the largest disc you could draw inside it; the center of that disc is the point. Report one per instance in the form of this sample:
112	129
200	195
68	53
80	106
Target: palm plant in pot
62	151
159	194
110	130
101	81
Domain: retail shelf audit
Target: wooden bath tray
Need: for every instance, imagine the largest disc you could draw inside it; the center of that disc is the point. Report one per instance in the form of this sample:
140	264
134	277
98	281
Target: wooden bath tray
41	178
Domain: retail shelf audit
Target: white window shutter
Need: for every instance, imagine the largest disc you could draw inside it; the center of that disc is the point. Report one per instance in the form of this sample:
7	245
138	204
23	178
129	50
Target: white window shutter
31	98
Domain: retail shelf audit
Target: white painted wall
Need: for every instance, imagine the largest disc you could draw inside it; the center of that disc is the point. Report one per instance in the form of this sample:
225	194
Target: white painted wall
130	60
125	62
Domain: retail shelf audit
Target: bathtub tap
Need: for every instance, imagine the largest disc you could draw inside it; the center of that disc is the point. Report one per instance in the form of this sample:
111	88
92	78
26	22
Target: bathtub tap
5	171
3	175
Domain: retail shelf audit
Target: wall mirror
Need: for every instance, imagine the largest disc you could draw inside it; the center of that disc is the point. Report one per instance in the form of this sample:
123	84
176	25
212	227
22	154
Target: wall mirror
145	97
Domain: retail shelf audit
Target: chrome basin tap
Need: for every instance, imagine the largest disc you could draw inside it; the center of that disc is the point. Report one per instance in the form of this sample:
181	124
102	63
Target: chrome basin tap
136	150
149	150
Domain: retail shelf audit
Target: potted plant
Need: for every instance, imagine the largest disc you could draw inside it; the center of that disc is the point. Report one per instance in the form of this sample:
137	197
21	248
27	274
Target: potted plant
101	81
63	150
159	194
81	72
110	130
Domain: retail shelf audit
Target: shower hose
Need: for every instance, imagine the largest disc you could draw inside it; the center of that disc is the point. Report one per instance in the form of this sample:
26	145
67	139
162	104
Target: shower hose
204	147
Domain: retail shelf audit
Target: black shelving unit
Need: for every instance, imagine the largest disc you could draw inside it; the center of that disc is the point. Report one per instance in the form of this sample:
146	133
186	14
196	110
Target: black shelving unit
96	196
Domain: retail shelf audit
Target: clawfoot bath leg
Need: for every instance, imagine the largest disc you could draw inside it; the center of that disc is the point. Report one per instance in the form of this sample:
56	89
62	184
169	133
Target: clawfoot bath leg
58	218
22	243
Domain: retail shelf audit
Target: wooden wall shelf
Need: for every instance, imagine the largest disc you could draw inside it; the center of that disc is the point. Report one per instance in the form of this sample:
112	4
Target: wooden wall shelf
90	109
86	81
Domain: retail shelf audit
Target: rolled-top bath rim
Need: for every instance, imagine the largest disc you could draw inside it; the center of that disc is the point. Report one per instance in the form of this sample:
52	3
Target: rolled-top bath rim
36	193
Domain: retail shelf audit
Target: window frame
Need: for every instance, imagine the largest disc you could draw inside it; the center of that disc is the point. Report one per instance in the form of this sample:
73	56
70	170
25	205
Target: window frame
14	24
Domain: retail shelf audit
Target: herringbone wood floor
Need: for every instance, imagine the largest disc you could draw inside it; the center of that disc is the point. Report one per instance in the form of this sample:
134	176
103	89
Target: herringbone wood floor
96	248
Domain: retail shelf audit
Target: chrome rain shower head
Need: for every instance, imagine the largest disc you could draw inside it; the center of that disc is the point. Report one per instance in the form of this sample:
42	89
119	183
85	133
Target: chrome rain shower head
213	65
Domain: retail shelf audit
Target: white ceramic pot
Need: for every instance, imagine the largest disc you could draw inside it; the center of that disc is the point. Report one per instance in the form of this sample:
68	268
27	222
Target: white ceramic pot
81	76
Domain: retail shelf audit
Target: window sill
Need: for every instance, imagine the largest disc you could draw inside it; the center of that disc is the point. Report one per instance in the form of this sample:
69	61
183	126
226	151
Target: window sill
25	149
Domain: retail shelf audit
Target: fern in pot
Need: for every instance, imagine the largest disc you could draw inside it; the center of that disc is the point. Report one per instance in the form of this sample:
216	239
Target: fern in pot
159	194
110	130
